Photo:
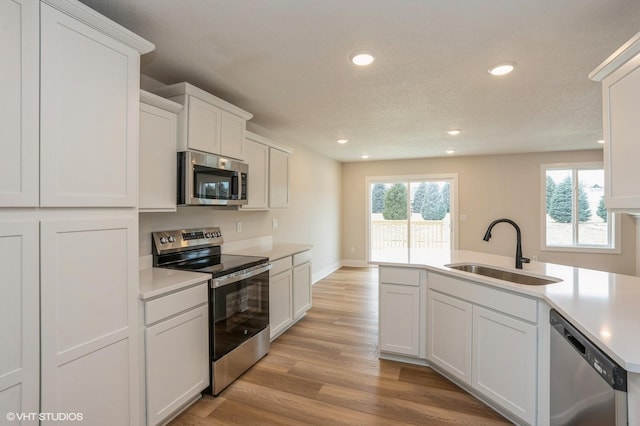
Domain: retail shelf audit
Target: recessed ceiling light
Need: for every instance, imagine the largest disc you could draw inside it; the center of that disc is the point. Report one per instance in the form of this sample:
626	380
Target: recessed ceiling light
502	69
342	141
450	151
453	132
362	59
601	141
364	156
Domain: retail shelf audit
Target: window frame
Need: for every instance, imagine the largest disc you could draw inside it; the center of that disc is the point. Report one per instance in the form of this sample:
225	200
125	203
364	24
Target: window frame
613	221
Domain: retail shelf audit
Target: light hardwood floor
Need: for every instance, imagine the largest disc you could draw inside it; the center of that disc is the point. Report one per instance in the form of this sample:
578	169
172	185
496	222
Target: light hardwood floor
325	371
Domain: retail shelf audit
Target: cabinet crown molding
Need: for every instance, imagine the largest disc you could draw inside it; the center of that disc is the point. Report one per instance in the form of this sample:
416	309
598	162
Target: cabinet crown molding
627	51
101	23
184	88
159	102
268	142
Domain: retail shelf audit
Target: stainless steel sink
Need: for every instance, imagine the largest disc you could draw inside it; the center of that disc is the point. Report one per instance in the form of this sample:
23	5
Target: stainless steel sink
504	275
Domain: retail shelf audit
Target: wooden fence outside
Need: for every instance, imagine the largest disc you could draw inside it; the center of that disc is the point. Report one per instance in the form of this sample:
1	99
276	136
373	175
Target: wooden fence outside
431	234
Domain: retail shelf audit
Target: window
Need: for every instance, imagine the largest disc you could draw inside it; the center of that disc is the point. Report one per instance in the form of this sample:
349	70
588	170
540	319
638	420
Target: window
408	216
575	216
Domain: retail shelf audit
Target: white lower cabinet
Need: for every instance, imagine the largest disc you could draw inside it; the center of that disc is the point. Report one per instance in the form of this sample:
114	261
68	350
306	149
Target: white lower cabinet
449	334
488	339
301	283
505	361
177	351
289	291
400	311
280	296
89	318
19	319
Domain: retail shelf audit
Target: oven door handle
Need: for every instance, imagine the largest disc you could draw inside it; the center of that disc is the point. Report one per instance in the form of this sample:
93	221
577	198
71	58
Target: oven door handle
240	275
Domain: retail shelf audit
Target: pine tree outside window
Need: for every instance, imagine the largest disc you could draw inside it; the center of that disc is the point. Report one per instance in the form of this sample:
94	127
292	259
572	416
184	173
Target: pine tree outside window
574	215
408	216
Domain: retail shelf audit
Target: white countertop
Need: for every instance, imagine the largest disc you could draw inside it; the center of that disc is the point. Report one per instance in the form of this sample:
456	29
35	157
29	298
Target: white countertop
604	306
156	282
273	251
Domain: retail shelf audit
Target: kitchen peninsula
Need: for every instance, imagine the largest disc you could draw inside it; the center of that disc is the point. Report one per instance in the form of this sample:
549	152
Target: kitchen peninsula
451	307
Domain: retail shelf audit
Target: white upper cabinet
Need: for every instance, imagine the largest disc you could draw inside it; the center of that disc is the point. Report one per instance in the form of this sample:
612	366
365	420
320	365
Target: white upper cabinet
203	126
620	76
278	178
256	155
89	125
19	120
207	123
158	134
232	130
268	173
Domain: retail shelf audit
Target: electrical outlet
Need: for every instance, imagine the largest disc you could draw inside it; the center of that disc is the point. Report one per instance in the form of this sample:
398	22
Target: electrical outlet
353	249
238	226
274	223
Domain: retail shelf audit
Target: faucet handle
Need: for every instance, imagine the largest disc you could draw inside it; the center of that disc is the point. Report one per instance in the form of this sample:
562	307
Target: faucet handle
525	260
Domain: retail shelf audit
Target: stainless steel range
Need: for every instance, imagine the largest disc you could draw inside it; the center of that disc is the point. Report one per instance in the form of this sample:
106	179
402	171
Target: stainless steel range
238	298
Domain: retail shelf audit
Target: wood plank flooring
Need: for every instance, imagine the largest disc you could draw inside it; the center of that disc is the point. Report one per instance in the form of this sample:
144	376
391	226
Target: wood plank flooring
325	371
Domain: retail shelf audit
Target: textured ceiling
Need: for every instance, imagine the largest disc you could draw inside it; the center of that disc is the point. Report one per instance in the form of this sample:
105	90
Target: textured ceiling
287	62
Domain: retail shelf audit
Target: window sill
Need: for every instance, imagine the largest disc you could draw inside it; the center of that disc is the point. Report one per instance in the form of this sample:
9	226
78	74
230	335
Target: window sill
583	249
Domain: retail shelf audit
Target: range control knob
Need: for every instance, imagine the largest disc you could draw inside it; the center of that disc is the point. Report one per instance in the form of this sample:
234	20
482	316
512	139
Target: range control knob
172	239
208	235
163	240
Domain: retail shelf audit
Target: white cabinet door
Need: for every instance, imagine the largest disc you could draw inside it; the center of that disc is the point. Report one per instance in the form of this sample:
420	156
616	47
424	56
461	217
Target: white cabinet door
257	157
89	310
621	128
280	302
177	362
19	117
19	319
278	179
399	319
203	126
449	336
157	180
232	130
301	289
89	116
505	361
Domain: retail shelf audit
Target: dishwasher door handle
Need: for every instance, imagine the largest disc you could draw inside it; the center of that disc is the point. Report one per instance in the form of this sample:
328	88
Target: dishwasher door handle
575	342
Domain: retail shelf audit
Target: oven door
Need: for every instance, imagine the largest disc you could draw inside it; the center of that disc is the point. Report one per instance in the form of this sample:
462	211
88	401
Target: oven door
239	308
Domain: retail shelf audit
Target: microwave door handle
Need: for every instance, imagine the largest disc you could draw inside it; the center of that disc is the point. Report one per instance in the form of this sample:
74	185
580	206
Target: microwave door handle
235	277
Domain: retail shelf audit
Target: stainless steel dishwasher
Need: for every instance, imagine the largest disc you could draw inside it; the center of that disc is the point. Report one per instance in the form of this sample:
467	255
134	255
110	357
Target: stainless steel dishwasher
587	387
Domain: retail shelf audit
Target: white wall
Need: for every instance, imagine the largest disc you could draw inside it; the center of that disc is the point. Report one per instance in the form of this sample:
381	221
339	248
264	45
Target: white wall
489	187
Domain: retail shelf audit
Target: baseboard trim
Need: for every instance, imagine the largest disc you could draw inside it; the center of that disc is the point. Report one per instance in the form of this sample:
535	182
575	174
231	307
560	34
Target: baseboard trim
355	263
325	272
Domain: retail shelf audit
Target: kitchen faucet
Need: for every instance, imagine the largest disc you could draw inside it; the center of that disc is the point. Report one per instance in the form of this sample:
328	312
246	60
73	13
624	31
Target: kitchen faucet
519	259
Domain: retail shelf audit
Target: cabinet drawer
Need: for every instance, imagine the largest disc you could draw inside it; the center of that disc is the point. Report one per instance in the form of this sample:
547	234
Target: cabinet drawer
300	258
502	301
280	265
174	303
403	276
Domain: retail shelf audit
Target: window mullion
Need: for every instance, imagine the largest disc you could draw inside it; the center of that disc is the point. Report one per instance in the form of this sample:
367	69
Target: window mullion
575	204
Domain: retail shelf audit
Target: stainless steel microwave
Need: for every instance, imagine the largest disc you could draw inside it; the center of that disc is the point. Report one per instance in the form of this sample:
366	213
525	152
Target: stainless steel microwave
210	180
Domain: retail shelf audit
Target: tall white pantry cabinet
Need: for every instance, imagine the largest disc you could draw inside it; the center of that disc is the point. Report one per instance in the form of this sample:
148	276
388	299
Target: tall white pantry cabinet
68	213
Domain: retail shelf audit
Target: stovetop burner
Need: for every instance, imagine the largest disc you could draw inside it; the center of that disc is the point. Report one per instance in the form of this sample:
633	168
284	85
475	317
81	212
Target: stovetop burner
198	250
